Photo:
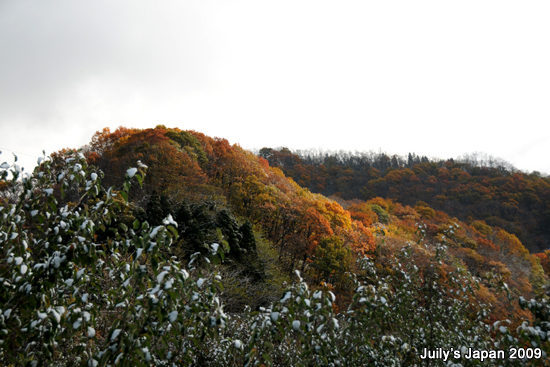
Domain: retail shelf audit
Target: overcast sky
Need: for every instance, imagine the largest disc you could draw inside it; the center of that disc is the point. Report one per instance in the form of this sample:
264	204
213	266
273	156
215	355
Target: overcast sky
438	78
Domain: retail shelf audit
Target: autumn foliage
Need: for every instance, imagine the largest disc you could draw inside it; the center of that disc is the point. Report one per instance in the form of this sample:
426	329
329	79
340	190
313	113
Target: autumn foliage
190	168
383	270
187	166
469	188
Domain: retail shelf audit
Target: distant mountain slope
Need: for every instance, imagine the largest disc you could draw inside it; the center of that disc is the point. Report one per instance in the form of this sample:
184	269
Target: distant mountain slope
512	200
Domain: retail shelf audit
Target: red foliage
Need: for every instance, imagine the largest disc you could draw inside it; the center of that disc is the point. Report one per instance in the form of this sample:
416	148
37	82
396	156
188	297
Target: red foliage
544	259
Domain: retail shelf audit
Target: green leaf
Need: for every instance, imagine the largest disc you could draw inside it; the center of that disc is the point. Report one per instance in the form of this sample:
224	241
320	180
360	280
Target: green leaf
154	262
136	224
124	196
173	230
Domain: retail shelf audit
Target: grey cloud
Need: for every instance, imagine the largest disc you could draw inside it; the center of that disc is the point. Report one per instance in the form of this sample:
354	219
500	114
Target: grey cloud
51	48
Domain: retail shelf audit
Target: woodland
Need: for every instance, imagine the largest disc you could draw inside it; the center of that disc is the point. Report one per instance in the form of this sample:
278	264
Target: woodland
166	247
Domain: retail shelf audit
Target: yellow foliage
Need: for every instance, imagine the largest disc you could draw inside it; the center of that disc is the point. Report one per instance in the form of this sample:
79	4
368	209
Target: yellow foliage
482	227
384	204
425	212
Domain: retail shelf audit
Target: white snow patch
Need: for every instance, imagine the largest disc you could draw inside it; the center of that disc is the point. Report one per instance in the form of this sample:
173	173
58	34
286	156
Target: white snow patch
161	276
173	316
169	220
115	334
286	297
155	231
131	172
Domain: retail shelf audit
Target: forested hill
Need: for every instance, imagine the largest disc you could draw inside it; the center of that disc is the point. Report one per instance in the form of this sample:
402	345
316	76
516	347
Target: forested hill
475	187
168	247
209	185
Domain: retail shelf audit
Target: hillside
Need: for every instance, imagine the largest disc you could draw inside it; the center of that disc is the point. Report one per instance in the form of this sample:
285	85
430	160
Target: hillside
470	188
342	281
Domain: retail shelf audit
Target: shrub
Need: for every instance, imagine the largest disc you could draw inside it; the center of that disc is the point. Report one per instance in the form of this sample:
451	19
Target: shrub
383	216
69	299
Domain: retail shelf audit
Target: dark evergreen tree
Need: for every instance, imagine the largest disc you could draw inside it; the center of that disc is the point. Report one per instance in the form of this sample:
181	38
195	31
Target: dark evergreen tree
249	252
248	242
230	230
196	226
157	208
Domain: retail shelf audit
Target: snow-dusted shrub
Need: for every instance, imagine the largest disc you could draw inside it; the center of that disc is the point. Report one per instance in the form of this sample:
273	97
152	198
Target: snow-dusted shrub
68	299
394	317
